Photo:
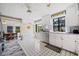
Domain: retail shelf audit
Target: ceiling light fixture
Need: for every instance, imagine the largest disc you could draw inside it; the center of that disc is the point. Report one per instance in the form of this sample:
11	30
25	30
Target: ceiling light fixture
29	11
48	5
28	8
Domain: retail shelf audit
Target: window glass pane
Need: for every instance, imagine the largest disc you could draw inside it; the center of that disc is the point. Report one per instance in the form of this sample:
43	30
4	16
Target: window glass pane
40	29
62	24
36	28
55	28
9	28
17	29
59	24
55	24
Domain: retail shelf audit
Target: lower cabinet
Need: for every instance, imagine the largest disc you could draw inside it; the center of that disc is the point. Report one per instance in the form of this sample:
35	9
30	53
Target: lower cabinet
42	36
69	42
77	44
65	41
52	39
58	40
55	39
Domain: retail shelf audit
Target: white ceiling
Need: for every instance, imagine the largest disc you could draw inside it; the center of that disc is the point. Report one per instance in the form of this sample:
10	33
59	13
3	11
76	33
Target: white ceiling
41	9
38	9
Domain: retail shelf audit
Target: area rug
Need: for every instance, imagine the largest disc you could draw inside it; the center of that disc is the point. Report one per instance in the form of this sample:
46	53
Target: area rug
54	48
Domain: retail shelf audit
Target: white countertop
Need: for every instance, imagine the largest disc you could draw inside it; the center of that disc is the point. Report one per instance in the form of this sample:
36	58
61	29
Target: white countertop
63	33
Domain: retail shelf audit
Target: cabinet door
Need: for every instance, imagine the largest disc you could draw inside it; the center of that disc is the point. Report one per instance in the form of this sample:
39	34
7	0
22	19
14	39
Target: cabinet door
55	39
77	49
77	45
69	42
59	40
52	39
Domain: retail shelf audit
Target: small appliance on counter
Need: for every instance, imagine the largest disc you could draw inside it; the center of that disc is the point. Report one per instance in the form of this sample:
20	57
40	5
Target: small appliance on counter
74	29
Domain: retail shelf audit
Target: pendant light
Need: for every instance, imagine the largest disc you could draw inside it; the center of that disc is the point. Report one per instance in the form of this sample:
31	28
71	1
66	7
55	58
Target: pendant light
28	8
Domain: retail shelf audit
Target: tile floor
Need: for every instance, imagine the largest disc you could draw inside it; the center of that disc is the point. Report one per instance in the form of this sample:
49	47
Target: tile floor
44	51
14	49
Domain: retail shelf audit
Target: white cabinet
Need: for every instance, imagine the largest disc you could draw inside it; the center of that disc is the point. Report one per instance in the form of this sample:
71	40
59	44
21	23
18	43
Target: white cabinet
77	50
77	45
55	39
42	36
58	40
69	42
52	39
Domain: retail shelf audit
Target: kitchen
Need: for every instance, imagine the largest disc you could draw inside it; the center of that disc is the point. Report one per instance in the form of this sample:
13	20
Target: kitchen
63	29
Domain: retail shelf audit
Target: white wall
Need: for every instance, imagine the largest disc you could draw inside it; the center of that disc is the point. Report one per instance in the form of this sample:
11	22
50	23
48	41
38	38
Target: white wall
46	22
57	7
71	16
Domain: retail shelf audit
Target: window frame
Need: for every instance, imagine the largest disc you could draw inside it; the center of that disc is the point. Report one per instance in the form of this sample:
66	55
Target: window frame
58	24
16	29
10	30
